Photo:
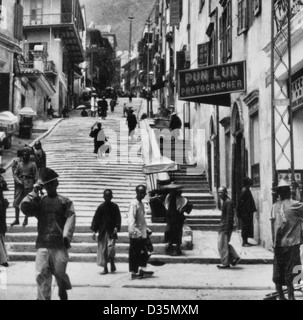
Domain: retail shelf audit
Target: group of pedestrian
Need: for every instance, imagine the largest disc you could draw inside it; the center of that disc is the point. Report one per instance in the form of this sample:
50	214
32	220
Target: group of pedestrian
245	209
101	106
106	225
26	168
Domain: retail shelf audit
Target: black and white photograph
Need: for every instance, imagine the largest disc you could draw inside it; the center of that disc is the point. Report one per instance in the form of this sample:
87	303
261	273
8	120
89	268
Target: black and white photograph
150	151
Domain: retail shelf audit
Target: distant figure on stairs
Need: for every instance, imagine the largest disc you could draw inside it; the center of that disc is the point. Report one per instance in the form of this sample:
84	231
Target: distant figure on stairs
25	174
113	104
40	157
99	137
107	223
103	108
132	123
84	114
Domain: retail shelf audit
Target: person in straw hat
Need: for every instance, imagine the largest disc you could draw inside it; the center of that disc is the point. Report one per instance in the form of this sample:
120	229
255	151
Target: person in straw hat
286	221
176	205
56	225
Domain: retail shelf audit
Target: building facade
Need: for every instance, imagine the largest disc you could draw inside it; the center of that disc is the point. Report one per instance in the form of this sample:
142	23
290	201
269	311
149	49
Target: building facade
217	72
10	49
57	26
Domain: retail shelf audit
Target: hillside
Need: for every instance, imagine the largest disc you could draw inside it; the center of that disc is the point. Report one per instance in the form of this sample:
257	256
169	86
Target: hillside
116	13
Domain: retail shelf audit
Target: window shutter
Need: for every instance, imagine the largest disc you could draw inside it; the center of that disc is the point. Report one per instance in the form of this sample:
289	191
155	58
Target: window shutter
257	6
242	16
18	22
26	51
229	30
181	60
202	3
221	38
181	9
203	55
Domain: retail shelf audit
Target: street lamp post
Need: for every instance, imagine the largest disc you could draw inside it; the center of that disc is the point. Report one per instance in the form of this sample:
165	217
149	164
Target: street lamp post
151	76
148	67
130	36
131	18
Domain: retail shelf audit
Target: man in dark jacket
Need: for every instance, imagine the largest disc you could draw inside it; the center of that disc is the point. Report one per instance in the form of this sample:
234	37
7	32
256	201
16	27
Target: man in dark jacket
245	210
107	223
132	124
56	225
99	137
227	253
103	108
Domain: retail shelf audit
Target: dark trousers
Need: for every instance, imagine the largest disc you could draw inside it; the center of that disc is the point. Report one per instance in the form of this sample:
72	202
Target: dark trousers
138	256
287	265
247	226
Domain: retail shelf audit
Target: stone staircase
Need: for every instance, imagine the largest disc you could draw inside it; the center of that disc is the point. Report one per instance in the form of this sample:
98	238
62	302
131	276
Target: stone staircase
83	179
195	188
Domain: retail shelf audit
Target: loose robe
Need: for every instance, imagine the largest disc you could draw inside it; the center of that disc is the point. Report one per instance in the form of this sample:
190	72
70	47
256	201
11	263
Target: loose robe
106	219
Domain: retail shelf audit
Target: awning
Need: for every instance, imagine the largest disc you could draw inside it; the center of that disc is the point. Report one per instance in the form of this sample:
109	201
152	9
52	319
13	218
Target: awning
159	85
2	135
89	89
27	112
218	100
8	118
160	165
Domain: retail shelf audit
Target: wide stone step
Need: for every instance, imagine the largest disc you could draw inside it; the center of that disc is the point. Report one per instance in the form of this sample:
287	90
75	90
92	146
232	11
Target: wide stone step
204	206
204	227
81	248
186	258
157	238
84	228
202	222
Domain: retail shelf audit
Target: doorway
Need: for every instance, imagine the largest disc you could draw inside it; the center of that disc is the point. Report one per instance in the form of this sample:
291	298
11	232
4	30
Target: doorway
239	156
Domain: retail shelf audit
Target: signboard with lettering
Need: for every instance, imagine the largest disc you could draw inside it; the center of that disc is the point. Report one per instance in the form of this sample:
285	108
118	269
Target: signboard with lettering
203	53
212	81
174	13
297	94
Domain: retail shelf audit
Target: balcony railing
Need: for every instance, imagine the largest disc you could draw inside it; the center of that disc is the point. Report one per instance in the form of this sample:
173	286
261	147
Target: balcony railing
49	66
51	19
47	19
28	65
